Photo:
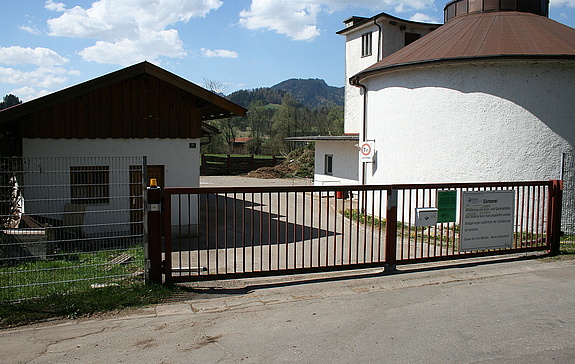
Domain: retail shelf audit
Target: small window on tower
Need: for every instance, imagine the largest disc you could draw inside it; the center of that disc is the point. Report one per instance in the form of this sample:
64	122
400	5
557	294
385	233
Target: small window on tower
366	45
328	165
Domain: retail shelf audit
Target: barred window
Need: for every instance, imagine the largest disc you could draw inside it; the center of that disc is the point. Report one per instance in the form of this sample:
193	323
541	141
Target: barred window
90	185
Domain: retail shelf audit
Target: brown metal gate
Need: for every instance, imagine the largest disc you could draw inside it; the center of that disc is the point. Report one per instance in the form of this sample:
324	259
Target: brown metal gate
240	232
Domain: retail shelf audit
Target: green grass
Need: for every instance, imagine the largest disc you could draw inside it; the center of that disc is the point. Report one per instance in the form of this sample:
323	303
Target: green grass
128	294
71	272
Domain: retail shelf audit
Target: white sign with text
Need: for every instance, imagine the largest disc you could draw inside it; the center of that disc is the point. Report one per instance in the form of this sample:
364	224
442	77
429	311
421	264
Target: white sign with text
486	220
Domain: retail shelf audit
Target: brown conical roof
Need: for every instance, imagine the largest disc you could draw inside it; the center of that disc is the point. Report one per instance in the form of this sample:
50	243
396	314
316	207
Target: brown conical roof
486	35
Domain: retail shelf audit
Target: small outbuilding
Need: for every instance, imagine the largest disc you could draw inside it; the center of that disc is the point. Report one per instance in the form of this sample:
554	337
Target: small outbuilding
141	110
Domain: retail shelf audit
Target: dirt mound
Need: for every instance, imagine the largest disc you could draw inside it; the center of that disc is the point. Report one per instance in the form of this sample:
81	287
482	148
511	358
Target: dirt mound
299	163
279	171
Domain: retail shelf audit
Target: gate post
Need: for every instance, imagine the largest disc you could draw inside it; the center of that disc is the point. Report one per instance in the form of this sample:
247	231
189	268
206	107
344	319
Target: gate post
154	271
391	231
556	204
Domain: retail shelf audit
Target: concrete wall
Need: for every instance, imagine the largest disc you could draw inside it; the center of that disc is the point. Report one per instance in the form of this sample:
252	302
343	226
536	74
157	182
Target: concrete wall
482	121
345	169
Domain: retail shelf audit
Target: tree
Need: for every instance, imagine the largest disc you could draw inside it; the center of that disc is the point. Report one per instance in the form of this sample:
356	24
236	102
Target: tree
9	100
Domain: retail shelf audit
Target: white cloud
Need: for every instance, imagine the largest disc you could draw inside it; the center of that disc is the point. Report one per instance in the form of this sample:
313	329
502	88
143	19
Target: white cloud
129	31
560	3
127	51
223	53
45	77
37	56
51	5
298	19
30	30
424	18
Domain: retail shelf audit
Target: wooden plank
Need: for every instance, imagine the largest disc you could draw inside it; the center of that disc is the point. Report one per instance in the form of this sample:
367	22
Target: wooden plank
116	109
93	124
82	117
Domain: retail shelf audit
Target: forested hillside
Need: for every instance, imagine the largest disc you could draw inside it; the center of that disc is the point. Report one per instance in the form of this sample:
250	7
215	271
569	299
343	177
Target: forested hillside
291	108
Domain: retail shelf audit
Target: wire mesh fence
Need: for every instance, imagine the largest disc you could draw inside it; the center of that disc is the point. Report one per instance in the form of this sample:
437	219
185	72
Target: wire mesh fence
568	211
69	223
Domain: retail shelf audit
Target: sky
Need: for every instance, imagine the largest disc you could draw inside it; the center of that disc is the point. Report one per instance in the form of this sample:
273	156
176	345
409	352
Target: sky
46	46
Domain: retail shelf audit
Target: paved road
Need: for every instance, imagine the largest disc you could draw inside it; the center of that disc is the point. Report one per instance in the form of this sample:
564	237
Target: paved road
519	311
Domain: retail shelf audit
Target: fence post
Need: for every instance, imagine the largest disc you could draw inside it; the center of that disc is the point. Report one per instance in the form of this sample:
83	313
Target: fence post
391	231
154	271
556	197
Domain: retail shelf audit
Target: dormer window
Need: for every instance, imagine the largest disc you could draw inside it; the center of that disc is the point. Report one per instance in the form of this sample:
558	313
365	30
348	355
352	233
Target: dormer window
366	45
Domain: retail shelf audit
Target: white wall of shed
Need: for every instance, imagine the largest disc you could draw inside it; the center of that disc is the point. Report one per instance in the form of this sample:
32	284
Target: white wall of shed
181	166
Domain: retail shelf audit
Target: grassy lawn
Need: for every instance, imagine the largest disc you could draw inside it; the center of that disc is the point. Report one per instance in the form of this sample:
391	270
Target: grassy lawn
70	272
128	294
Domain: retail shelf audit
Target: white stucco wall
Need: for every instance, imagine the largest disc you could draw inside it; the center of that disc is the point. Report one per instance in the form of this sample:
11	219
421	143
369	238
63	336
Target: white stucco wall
345	157
181	169
391	40
481	121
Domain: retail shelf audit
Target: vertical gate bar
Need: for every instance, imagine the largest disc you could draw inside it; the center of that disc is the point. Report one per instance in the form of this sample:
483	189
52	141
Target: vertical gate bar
327	229
208	208
312	217
522	216
533	214
538	217
217	231
286	233
409	223
226	231
243	232
319	210
278	234
303	218
261	229
189	250
516	222
402	249
295	225
179	234
349	242
391	229
252	230
528	234
335	227
235	236
379	228
168	235
200	197
270	231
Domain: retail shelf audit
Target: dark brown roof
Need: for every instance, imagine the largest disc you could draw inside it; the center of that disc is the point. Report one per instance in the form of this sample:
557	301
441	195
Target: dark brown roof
357	21
507	34
212	106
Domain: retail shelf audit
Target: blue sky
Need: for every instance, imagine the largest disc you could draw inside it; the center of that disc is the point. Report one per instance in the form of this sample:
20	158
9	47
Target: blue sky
241	44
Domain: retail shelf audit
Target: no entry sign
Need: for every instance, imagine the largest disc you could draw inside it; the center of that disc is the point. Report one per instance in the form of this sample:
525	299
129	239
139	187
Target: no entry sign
366	151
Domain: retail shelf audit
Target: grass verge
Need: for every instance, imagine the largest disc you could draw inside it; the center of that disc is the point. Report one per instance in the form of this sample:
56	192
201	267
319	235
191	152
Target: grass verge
86	303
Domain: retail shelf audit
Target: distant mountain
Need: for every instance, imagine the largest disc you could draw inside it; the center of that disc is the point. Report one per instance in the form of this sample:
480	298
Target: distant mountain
312	93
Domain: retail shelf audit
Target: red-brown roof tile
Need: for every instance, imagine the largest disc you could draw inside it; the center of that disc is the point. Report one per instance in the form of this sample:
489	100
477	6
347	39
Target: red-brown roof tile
506	34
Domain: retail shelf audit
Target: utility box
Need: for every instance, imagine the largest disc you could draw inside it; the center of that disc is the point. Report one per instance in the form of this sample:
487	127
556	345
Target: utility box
425	216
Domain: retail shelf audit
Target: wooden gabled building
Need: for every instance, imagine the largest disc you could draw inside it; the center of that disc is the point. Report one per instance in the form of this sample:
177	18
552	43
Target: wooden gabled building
142	101
141	110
